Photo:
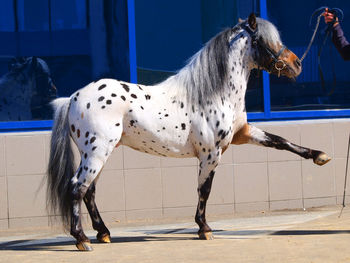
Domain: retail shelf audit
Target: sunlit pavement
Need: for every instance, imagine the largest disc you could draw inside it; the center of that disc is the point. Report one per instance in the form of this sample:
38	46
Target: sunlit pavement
315	235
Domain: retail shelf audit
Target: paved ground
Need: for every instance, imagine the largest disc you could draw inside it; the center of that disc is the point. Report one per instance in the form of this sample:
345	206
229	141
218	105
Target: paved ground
316	235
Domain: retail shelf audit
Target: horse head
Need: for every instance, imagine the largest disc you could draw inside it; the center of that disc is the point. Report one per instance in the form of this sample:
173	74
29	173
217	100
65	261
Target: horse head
269	52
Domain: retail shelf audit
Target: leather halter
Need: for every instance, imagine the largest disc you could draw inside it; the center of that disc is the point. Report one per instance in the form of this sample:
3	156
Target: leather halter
277	63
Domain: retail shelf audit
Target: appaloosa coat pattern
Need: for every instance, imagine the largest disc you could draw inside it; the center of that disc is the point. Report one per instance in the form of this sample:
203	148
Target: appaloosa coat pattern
196	113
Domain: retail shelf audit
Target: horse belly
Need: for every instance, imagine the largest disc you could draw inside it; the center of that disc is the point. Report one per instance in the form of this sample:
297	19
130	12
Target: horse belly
151	144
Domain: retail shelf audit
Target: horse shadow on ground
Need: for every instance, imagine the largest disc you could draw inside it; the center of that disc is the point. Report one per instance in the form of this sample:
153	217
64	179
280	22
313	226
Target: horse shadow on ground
66	245
56	245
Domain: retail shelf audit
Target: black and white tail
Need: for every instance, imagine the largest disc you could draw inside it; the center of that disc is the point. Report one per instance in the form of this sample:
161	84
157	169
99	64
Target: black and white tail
61	163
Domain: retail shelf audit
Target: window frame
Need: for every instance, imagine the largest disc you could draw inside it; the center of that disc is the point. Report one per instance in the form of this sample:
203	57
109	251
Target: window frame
266	115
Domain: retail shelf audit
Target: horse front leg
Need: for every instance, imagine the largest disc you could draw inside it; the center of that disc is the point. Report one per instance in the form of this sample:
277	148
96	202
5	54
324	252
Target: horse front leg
205	179
253	135
103	234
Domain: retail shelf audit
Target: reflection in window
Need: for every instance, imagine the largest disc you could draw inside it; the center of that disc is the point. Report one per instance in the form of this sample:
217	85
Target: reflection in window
26	90
27	83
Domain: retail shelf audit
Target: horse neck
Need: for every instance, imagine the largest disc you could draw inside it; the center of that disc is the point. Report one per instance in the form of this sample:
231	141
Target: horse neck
240	66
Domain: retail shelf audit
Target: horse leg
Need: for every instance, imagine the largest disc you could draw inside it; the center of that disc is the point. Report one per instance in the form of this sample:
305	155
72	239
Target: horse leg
206	174
103	234
77	193
253	135
81	182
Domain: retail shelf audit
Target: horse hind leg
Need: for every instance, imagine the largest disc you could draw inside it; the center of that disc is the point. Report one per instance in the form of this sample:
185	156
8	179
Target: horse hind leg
103	234
94	155
77	193
85	176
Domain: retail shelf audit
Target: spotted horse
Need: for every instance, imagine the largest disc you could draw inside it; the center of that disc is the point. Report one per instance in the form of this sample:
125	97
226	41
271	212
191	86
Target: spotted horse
198	112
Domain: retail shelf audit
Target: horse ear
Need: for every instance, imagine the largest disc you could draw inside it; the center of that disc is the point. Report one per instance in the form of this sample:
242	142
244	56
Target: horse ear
252	21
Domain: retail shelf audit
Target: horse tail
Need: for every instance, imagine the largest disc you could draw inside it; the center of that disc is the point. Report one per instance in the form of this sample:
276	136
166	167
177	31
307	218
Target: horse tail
61	163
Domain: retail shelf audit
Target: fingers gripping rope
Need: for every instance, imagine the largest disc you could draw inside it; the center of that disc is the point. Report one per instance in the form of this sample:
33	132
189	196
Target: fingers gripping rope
337	11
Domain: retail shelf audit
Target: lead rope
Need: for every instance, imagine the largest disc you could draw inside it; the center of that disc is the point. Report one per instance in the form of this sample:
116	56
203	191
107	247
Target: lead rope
346	176
312	38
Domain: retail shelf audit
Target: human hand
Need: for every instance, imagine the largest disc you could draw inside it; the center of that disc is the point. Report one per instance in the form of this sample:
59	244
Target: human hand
329	17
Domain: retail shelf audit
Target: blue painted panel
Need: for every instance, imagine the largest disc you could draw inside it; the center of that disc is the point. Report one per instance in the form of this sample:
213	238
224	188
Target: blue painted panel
255	116
132	41
25	126
310	114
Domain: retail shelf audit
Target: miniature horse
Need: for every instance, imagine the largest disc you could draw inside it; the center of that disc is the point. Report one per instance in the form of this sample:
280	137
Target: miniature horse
196	113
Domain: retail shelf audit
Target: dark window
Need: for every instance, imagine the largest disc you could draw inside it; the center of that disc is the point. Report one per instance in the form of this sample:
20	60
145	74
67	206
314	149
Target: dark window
309	91
7	19
68	14
169	33
33	15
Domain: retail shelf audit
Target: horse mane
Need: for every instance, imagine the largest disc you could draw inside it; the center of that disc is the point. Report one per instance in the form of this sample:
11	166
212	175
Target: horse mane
204	76
205	71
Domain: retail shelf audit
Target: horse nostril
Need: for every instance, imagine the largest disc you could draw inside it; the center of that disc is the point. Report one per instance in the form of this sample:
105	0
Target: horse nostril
297	63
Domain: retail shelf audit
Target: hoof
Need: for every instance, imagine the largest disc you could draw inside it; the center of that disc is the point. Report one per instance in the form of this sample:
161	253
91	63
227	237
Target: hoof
84	246
322	159
105	238
206	235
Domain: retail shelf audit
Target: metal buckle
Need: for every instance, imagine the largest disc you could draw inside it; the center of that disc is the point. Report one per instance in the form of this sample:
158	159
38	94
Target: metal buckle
280	65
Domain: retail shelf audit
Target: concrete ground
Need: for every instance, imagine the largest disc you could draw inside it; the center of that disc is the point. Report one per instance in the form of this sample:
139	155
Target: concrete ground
315	235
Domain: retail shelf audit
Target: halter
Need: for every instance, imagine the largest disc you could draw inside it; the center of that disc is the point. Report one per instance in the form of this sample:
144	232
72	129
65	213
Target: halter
277	63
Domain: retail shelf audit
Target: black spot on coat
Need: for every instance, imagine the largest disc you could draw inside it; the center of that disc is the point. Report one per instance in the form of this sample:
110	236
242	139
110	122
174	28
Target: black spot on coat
126	87
102	86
